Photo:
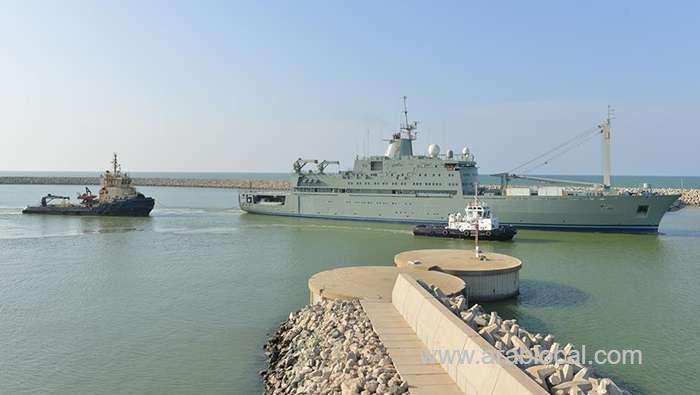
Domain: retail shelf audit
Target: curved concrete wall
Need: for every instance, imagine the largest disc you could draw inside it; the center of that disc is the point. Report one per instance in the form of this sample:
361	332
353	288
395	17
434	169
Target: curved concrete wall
439	329
489	287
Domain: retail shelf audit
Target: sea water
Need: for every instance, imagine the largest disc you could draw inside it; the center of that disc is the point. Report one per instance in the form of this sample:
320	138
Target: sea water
182	301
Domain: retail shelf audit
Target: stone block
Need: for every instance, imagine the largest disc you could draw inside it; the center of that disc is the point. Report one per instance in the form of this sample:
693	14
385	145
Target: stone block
540	371
583	385
554	379
582	374
567	372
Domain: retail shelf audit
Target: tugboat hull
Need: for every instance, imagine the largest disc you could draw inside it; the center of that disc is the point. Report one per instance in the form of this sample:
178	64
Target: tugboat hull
134	207
503	233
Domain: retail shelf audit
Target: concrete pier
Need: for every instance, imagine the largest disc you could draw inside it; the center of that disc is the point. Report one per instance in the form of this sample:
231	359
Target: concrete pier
373	283
494	278
397	343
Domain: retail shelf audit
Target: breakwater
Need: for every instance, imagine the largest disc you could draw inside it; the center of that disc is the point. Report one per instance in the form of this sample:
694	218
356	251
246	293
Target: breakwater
330	348
154	182
556	367
689	197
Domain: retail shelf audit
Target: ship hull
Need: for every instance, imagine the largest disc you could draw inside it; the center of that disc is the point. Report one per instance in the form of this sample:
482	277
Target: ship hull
596	213
134	207
502	233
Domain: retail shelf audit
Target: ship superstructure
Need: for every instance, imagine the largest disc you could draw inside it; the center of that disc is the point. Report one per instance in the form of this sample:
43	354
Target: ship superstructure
403	187
116	184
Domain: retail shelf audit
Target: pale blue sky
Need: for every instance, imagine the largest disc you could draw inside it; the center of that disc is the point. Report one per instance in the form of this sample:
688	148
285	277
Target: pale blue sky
230	86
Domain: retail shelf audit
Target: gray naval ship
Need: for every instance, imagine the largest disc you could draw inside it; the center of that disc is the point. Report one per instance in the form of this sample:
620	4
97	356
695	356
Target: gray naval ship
425	189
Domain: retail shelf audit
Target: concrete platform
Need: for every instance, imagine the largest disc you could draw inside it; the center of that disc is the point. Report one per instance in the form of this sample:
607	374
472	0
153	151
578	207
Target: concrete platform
495	278
373	282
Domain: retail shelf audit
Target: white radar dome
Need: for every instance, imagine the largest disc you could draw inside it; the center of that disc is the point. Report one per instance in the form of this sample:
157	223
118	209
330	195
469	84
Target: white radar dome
465	151
433	150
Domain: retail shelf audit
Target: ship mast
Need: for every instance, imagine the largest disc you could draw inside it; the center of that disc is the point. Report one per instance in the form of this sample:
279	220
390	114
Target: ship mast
605	130
477	250
115	163
400	145
409	127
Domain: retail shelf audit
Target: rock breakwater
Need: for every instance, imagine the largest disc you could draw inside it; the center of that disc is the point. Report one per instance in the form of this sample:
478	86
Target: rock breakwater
155	182
689	197
329	348
552	365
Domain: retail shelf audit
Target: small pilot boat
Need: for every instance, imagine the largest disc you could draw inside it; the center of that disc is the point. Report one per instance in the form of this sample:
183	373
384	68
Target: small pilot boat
478	219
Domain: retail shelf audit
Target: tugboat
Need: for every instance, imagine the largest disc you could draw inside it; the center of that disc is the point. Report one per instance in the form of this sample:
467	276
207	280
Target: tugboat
478	222
116	198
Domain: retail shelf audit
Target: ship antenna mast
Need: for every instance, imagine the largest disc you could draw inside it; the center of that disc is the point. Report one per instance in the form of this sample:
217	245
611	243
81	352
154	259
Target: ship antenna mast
477	250
405	110
115	163
409	127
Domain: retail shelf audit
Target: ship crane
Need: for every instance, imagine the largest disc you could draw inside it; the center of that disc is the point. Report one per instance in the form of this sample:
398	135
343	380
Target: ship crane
87	198
506	177
602	129
49	198
300	163
325	163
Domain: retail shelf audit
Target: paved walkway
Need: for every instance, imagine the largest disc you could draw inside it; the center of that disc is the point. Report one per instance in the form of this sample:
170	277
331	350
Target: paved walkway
405	349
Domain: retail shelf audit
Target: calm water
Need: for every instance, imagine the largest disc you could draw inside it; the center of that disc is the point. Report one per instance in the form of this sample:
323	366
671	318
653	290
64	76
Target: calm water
181	302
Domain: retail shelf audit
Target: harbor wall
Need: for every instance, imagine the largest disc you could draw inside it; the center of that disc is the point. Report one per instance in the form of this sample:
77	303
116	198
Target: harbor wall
153	182
689	197
439	329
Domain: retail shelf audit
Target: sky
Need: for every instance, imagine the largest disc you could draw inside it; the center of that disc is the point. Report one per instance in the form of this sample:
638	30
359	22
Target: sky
251	86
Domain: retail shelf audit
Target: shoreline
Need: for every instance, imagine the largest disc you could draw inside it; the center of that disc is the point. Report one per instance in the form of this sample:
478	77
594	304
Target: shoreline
689	197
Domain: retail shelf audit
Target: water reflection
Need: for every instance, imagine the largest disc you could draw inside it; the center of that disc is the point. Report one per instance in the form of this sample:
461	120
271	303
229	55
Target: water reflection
537	293
533	240
112	224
